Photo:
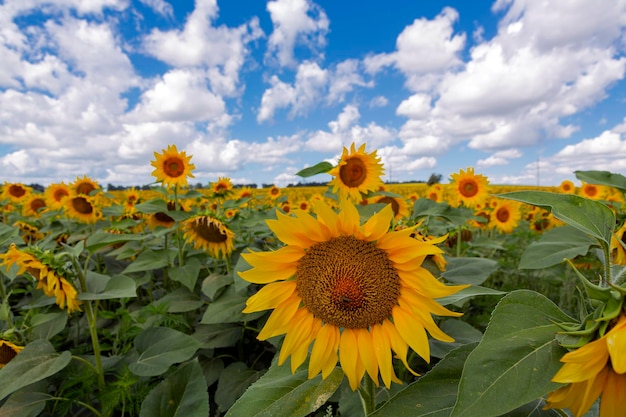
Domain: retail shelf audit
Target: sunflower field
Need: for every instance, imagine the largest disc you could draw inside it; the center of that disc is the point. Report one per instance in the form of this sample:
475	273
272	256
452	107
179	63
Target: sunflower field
359	298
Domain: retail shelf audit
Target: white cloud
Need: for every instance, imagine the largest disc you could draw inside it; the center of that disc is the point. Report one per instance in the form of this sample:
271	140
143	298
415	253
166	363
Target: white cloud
160	6
416	106
499	158
296	22
342	80
379	101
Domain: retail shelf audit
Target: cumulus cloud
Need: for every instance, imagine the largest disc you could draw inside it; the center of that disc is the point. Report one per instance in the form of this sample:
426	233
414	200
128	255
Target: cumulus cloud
499	158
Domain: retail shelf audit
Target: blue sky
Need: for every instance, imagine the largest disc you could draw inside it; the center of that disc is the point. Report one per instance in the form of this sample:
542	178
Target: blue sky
524	91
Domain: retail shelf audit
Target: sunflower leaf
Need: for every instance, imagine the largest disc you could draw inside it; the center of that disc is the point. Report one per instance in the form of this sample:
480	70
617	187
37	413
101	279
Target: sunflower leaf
468	270
319	168
603	178
118	286
159	348
149	260
516	359
188	273
183	393
101	239
592	217
555	246
279	392
38	360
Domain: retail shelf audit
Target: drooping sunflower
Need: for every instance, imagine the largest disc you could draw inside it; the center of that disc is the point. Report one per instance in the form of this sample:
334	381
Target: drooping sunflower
358	292
222	187
82	208
34	205
49	277
84	186
29	233
618	241
55	194
506	216
470	188
8	351
398	205
210	234
172	167
15	192
597	369
357	173
163	219
567	187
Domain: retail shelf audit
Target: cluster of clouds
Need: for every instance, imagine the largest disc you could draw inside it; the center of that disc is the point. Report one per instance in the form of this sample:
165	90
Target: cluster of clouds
73	103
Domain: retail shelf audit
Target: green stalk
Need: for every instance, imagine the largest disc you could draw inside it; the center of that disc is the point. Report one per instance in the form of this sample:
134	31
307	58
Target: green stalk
368	395
606	279
5	300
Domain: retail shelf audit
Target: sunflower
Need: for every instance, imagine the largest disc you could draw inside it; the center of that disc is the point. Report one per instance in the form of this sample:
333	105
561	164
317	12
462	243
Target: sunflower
33	206
357	173
567	187
55	194
131	199
286	207
398	205
274	192
210	234
29	233
223	186
303	205
82	208
592	191
618	243
50	278
84	186
16	193
172	167
596	369
163	219
435	193
470	188
506	216
8	351
245	192
357	292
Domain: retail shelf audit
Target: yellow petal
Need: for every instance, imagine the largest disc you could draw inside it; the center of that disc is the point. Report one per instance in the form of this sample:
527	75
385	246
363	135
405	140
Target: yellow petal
382	349
349	219
424	283
378	224
367	353
270	296
612	403
349	357
324	349
261	276
616	343
415	304
327	216
287	229
281	256
299	333
397	344
584	362
314	229
411	331
279	322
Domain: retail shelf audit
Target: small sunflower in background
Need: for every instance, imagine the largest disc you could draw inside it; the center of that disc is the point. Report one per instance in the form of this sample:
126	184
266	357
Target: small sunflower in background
591	191
398	205
222	187
506	216
34	205
15	192
84	186
209	234
274	192
469	188
82	208
55	194
567	187
435	193
357	173
8	351
357	292
244	192
29	233
47	271
172	167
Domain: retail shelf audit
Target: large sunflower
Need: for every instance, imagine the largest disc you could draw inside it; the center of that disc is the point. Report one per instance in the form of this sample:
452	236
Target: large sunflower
8	351
172	167
470	188
593	370
49	278
358	292
210	234
357	173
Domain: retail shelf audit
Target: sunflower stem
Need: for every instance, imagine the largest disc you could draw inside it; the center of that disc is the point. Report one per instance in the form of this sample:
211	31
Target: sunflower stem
368	395
458	242
5	301
607	264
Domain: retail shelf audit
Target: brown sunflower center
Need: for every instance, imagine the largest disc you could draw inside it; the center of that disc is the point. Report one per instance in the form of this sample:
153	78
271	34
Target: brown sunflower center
81	205
468	188
503	214
6	354
348	282
591	191
17	190
209	230
60	194
85	188
353	173
37	203
394	204
173	167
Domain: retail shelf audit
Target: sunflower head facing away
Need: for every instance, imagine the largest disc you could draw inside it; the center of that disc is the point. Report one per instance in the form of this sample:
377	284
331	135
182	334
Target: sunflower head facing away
357	292
8	351
172	167
356	173
210	234
470	188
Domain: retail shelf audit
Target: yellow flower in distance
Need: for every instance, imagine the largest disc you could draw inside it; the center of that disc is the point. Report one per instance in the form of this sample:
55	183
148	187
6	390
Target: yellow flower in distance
15	192
8	351
210	234
567	187
55	194
222	186
506	216
356	173
172	167
398	205
470	188
593	370
84	185
358	292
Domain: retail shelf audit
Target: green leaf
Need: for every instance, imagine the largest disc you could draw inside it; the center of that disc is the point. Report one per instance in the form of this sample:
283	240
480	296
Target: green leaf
214	283
516	359
38	360
218	335
555	246
44	326
9	234
592	217
319	168
24	404
233	382
227	308
118	286
101	238
603	178
182	394
432	395
462	333
469	270
159	348
149	260
467	293
180	300
279	392
188	273
425	207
